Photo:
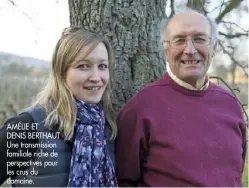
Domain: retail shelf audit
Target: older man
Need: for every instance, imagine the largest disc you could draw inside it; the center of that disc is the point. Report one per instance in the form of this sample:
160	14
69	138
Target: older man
182	130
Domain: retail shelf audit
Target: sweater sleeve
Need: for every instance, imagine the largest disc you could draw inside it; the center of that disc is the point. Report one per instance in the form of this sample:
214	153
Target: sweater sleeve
244	147
244	142
7	136
243	130
131	144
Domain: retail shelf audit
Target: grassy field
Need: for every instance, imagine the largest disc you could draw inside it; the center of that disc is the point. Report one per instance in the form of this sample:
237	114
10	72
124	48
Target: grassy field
245	174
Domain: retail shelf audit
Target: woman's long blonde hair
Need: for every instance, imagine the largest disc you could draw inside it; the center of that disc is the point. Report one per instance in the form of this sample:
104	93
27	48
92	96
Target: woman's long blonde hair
56	97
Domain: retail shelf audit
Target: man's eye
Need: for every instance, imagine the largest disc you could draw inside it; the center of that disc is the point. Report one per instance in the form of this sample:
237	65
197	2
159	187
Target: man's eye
200	40
103	66
179	41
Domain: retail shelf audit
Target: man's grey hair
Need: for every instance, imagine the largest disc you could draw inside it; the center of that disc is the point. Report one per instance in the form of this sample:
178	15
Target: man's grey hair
165	22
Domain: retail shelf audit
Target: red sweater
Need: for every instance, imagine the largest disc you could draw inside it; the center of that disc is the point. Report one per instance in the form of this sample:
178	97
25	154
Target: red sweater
171	136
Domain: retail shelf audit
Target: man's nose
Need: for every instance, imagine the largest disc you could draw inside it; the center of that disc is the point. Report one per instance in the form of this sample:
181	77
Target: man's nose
95	75
189	48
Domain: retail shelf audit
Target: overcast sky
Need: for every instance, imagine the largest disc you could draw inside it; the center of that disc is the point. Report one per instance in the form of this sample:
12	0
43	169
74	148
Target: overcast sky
32	27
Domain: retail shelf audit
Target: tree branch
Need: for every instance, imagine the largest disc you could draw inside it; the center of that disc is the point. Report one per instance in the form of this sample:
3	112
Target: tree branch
197	5
14	4
236	35
232	90
232	5
37	28
25	14
232	23
232	58
172	7
220	7
205	12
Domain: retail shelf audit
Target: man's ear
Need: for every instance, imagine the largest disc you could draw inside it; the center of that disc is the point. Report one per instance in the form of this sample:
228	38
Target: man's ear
165	48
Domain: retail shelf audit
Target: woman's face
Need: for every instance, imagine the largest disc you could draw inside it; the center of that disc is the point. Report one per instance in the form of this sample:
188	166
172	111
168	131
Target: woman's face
88	76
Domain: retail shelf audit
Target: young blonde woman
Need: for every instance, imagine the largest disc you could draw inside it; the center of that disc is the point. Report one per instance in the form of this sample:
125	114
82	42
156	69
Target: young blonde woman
70	128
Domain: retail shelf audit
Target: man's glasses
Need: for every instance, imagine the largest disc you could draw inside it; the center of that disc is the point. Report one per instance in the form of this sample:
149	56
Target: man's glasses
197	41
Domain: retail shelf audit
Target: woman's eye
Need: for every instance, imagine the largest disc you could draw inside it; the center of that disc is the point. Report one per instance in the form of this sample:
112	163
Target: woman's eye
83	66
103	66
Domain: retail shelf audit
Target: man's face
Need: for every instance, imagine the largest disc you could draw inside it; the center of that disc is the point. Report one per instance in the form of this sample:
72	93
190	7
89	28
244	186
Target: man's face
189	63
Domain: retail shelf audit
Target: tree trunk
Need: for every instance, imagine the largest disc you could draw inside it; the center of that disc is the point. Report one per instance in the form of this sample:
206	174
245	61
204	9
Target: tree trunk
133	28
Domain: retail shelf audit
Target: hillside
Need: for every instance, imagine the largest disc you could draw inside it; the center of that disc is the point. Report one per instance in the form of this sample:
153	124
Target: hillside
29	61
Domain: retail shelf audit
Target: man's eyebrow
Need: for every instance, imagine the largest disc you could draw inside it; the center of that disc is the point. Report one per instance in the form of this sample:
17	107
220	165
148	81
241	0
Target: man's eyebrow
201	34
178	36
183	36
